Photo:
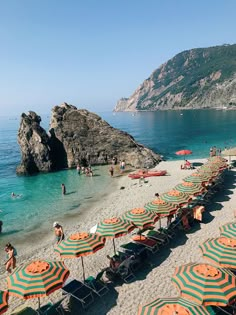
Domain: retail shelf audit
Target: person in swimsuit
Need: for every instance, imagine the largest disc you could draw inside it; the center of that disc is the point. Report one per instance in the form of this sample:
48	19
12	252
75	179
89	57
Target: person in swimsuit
11	259
63	189
58	230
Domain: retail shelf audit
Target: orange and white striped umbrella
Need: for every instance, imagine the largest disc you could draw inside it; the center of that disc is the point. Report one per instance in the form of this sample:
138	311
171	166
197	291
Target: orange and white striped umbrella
205	284
141	217
37	279
220	250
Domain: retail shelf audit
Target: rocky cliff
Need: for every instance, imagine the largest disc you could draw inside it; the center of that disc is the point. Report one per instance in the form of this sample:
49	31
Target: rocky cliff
34	144
197	78
76	136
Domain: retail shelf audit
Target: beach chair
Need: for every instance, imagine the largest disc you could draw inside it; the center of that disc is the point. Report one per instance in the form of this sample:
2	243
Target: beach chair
79	291
131	248
161	238
97	285
22	310
125	271
150	244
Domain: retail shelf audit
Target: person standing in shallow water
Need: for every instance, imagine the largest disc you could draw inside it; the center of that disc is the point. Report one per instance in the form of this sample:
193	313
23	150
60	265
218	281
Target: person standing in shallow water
111	171
63	189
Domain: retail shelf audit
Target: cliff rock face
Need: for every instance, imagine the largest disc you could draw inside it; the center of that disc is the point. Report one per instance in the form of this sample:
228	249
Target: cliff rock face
197	78
76	137
35	147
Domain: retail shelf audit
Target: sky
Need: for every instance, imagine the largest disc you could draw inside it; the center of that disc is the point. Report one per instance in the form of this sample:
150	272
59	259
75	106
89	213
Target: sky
90	53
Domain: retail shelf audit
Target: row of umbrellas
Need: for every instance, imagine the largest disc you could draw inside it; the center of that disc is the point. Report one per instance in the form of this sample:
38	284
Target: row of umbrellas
41	278
202	285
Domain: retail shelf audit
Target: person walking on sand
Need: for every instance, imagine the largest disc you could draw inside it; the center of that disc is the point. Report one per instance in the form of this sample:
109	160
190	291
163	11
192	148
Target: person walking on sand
111	171
122	166
63	189
11	257
58	230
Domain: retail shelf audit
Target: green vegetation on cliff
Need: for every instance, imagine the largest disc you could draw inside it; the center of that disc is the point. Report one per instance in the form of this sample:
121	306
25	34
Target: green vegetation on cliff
188	76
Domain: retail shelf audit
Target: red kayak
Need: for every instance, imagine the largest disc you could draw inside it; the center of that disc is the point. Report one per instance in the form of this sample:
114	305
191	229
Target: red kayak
145	174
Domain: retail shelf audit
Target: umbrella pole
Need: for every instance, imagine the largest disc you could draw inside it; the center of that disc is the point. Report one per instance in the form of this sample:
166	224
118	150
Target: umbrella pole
160	223
114	246
82	261
39	304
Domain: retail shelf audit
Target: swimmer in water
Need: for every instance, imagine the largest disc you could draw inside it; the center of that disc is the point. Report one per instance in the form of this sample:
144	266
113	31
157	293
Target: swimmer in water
13	195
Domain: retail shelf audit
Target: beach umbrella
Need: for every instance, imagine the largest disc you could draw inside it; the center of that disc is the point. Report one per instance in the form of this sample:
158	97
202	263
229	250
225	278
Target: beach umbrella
217	159
141	217
205	284
197	178
214	168
175	305
176	197
183	152
114	228
3	301
161	207
220	250
37	279
228	230
190	188
79	245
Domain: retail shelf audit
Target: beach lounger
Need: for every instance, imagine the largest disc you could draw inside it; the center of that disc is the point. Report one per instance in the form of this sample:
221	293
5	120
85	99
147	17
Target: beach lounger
150	244
132	248
80	292
97	285
22	310
161	238
125	270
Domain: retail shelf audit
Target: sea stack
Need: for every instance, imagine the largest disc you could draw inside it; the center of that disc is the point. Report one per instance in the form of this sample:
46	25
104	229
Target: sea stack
76	136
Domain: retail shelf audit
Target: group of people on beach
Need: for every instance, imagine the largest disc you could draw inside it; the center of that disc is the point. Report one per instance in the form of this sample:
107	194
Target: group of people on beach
11	251
112	167
214	151
84	170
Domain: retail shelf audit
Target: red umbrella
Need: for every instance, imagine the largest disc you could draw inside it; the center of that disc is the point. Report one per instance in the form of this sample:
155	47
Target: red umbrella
183	152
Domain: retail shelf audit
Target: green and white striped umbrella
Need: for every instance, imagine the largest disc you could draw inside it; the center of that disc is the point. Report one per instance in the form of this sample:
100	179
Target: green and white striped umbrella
205	284
80	244
3	301
176	197
161	207
197	177
228	230
37	279
170	306
190	188
221	250
114	228
141	217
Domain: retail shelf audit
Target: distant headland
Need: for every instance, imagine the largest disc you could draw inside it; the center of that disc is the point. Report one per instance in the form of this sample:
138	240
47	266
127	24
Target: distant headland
193	79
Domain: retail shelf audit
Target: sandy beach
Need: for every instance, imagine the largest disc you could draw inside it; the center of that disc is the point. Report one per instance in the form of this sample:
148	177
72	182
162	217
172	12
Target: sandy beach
154	279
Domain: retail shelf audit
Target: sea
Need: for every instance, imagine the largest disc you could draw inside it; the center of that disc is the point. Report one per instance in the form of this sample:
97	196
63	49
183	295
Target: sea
40	200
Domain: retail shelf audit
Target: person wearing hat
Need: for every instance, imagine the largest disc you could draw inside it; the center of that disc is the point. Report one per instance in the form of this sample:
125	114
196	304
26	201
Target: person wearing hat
58	230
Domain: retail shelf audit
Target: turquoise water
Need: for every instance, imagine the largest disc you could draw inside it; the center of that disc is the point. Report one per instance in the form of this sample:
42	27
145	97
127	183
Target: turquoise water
42	201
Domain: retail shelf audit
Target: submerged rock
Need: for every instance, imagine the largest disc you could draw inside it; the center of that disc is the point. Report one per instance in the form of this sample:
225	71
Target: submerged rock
76	136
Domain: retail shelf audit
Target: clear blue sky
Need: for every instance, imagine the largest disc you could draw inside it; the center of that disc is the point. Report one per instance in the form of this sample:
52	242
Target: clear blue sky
90	53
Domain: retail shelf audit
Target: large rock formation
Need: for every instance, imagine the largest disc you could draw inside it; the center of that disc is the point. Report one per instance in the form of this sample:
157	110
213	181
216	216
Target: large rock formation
34	144
196	78
76	137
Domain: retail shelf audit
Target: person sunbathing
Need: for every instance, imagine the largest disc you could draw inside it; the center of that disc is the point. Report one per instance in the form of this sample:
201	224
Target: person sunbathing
114	263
